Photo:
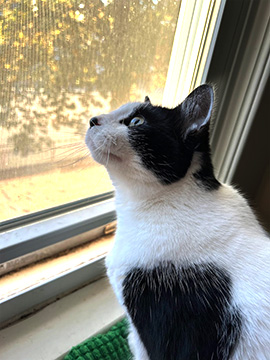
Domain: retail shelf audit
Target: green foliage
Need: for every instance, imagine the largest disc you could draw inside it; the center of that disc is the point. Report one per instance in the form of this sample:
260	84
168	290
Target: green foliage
52	49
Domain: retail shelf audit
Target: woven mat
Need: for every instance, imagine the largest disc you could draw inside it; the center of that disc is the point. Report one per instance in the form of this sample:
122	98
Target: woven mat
112	345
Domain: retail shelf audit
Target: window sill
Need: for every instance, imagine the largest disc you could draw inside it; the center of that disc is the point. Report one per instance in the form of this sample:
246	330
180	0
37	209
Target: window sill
37	285
50	333
38	273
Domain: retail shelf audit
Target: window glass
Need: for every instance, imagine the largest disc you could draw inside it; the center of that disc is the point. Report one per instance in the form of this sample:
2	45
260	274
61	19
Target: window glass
63	61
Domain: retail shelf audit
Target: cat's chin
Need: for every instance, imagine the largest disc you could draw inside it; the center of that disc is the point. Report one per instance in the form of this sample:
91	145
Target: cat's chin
105	159
114	158
101	157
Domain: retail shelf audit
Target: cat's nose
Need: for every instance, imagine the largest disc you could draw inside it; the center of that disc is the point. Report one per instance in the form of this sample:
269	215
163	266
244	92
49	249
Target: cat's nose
94	122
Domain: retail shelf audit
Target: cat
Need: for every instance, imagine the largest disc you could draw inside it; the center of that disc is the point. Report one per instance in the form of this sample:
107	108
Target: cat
190	263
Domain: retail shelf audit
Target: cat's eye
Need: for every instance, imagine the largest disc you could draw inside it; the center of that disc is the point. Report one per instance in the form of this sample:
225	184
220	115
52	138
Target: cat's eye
138	120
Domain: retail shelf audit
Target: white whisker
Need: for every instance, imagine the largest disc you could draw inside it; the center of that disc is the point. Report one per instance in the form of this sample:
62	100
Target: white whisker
108	156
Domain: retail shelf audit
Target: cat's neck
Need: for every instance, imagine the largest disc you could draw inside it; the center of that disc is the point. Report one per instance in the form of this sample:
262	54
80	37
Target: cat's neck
149	196
196	204
136	192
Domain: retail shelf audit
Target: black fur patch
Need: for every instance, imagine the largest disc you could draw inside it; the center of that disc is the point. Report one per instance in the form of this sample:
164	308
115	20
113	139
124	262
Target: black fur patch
158	144
205	175
183	314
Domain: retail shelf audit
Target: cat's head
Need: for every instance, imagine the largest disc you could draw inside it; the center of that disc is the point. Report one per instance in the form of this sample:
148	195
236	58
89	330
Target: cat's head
151	143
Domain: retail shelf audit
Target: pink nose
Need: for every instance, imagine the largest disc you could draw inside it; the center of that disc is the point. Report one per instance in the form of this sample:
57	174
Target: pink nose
94	122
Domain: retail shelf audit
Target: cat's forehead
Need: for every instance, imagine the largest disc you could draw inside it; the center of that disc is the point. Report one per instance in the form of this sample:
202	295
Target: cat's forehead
124	111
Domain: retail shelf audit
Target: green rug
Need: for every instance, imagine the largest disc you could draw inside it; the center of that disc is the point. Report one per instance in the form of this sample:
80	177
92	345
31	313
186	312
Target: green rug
110	346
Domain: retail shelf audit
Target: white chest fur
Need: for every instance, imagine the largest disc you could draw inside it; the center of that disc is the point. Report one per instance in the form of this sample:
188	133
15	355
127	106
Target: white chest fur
193	228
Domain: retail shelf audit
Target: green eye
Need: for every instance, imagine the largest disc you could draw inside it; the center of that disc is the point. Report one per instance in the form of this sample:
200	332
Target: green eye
136	121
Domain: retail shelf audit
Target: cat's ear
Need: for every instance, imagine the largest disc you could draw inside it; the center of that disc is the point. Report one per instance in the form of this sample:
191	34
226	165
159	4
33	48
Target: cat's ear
196	110
146	99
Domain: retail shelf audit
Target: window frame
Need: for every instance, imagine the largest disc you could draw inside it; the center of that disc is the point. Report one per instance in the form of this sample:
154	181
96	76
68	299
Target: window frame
239	71
39	296
35	236
53	211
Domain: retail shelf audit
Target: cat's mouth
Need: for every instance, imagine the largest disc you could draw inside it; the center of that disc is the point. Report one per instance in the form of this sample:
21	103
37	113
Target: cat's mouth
106	158
102	151
103	156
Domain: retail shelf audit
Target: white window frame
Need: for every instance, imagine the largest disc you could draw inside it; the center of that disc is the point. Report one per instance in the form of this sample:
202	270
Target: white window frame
59	228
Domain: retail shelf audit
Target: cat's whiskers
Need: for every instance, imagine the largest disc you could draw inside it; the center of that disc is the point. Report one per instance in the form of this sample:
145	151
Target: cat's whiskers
78	160
64	146
69	153
108	154
101	146
72	153
114	141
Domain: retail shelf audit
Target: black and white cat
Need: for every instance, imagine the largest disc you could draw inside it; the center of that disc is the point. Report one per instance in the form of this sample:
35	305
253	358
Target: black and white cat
190	263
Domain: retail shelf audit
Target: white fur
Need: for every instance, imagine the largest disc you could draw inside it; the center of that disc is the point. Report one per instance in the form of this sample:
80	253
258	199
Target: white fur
185	224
